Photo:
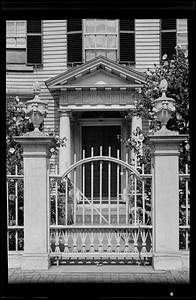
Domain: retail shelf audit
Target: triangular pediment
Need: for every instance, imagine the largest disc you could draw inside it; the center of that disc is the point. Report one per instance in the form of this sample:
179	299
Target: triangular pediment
98	78
97	73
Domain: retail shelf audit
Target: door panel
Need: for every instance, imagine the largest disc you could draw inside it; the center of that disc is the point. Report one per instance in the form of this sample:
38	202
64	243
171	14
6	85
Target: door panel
105	136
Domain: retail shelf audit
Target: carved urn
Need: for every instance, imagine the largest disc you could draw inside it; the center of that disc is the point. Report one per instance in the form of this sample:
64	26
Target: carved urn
36	109
164	106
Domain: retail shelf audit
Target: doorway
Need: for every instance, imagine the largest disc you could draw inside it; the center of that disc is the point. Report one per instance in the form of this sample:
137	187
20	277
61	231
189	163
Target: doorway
105	136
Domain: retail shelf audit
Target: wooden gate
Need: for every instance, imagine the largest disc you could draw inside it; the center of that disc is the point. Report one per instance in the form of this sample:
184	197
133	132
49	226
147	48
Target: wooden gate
96	226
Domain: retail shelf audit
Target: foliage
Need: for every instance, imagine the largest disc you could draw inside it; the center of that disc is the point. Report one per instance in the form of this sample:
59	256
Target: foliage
17	123
59	187
175	71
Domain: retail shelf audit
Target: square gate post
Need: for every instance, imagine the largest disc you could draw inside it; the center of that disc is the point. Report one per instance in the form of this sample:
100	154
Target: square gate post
36	200
165	209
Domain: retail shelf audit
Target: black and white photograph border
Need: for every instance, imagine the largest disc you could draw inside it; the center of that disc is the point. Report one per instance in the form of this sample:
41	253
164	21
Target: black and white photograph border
98	148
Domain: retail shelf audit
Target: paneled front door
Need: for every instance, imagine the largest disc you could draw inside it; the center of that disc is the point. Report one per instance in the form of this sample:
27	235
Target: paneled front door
105	136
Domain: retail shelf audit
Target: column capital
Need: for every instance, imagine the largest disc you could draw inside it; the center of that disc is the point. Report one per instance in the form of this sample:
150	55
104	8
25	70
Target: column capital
65	112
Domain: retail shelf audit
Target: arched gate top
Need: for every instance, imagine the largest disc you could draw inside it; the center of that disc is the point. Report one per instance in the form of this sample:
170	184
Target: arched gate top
102	158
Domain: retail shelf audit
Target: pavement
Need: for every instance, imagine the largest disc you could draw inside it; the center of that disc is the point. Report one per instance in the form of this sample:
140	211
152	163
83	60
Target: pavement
97	273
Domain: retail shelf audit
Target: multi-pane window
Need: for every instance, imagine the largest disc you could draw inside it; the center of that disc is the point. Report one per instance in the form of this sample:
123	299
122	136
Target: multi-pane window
16	34
182	34
168	37
89	38
24	42
100	38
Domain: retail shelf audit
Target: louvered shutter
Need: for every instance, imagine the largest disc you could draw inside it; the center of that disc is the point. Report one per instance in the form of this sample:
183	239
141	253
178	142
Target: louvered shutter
168	44
34	42
168	24
127	41
168	37
127	25
74	41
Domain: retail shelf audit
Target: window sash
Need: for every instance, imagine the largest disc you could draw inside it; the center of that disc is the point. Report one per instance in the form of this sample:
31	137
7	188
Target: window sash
16	38
100	37
92	53
97	22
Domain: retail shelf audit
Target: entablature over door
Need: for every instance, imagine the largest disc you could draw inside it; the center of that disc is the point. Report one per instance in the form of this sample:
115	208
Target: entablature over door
98	98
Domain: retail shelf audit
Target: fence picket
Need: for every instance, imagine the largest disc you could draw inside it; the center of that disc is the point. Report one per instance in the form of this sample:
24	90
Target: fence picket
118	183
109	187
100	186
92	184
126	194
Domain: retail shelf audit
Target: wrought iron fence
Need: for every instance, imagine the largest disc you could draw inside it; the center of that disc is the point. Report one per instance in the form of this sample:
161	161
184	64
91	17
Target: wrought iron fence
59	216
184	209
15	211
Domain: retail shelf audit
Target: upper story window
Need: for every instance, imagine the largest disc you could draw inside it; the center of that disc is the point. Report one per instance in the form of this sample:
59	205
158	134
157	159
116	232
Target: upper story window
87	39
100	38
168	37
16	34
182	33
24	42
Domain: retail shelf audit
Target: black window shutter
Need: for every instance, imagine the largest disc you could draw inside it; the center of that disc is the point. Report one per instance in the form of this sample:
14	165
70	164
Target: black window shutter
74	47
74	40
127	41
168	44
34	26
34	42
127	24
168	24
74	25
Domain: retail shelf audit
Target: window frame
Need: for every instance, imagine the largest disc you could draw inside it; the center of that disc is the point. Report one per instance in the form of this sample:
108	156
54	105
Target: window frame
15	36
84	34
25	49
184	45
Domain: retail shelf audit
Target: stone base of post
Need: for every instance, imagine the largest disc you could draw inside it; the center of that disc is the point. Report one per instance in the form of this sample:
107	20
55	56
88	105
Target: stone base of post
167	261
32	261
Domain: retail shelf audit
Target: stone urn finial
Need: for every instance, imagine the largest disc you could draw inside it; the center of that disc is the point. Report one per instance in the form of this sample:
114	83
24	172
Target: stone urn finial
36	88
36	109
164	107
163	85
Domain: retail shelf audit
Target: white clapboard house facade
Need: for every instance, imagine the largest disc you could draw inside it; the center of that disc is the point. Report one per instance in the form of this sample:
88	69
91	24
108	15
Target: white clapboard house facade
90	72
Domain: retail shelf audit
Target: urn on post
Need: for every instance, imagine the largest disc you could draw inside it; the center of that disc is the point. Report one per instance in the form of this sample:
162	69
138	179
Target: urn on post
36	109
164	107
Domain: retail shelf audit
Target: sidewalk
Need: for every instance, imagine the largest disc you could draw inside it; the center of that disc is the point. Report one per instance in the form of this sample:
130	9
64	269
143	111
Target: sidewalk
110	274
